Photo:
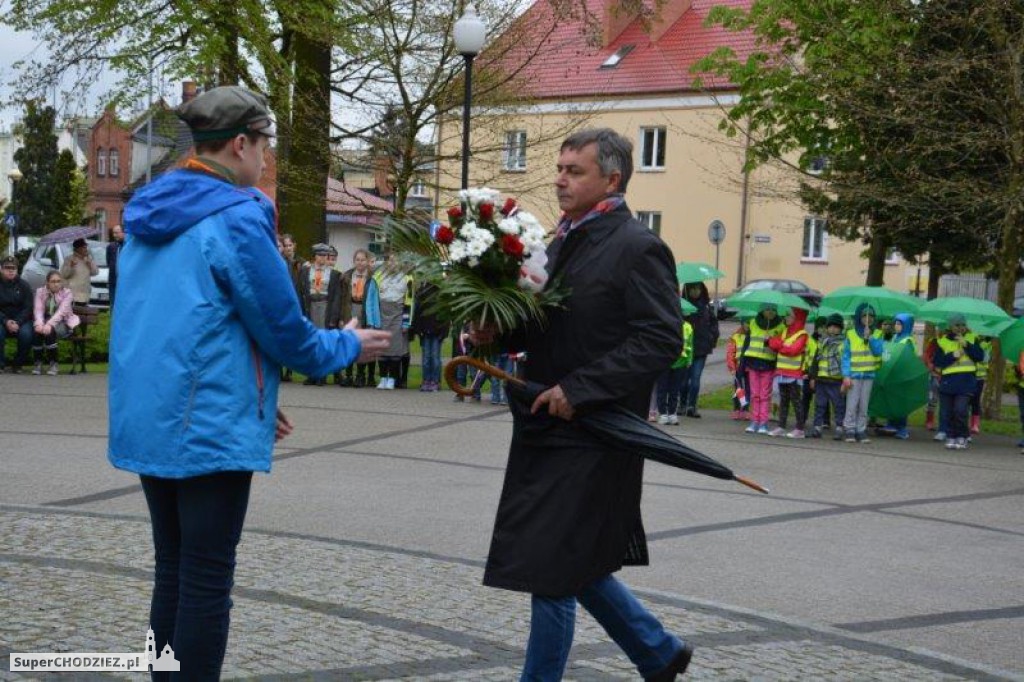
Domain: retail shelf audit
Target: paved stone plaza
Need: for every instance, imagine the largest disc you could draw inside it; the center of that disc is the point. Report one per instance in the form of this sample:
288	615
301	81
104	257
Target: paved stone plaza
363	550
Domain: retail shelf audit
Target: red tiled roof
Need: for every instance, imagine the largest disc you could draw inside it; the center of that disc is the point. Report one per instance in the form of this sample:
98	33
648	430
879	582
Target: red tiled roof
353	201
568	67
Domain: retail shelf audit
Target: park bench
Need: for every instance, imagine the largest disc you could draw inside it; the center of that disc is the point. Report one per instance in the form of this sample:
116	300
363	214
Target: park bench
80	334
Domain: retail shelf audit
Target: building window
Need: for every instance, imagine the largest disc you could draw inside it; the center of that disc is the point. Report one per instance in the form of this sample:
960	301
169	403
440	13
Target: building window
818	165
515	150
614	59
892	256
815	239
651	220
101	163
652	148
115	163
418	189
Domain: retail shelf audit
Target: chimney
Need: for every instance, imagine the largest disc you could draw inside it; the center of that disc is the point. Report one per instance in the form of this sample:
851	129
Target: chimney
188	91
670	13
613	21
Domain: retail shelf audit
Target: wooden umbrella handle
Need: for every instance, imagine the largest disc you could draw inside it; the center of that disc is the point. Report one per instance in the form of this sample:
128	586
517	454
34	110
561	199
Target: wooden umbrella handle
453	383
750	483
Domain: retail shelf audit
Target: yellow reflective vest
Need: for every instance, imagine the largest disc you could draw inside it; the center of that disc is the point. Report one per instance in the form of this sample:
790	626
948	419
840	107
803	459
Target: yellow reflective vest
986	348
861	358
792	362
758	346
963	364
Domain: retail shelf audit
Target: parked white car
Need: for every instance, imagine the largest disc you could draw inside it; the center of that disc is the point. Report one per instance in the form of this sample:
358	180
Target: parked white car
52	256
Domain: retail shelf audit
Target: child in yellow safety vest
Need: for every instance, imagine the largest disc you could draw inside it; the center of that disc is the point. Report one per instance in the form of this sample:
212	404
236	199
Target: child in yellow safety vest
957	357
985	343
789	371
670	383
862	356
759	362
826	378
733	358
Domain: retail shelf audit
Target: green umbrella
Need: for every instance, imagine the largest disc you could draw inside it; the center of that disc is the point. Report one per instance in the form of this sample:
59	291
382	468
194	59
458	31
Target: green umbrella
901	384
978	311
1011	341
688	308
825	311
753	300
886	302
696	272
992	328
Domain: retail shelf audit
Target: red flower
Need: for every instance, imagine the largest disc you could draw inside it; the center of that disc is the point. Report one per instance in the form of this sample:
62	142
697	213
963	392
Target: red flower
511	245
486	211
509	207
455	214
444	235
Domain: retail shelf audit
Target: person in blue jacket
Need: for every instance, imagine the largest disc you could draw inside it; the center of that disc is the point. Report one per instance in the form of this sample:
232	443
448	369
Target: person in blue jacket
207	314
862	356
957	357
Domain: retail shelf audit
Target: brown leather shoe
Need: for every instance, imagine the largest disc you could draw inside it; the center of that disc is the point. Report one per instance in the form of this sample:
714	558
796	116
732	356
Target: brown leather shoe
678	666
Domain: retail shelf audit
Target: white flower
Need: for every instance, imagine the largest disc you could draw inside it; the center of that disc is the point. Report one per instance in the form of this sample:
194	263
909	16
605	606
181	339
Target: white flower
509	226
532	273
474	196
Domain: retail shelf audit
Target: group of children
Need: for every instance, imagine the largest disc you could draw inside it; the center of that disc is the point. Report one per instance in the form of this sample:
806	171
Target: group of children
835	367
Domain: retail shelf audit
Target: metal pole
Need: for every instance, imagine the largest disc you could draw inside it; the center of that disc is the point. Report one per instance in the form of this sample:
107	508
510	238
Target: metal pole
743	209
465	119
718	249
14	214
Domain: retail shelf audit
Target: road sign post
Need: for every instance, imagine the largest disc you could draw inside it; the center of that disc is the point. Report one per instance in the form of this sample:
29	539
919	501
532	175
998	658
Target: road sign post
716	235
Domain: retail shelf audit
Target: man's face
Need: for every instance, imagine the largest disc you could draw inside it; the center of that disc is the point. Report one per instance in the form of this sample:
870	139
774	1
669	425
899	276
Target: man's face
117	232
579	184
252	159
10	272
288	248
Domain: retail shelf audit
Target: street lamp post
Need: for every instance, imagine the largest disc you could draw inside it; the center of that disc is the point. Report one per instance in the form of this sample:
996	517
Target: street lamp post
470	32
15	176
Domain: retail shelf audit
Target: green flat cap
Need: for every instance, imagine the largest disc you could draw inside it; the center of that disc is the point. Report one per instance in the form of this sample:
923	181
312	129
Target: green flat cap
222	113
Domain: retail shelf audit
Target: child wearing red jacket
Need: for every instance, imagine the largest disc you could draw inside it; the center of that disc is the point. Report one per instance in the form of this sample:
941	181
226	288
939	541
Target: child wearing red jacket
733	355
789	372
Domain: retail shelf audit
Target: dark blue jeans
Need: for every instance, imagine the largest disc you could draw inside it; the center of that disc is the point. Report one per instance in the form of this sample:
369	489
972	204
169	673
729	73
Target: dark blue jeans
691	383
638	633
431	346
954	408
24	336
670	385
197	523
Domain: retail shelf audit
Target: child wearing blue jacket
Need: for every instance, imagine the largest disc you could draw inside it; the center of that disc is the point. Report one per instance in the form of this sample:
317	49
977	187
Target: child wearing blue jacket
862	356
957	356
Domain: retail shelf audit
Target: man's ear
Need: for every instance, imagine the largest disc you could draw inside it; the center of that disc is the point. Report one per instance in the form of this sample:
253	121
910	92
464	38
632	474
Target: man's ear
238	143
614	179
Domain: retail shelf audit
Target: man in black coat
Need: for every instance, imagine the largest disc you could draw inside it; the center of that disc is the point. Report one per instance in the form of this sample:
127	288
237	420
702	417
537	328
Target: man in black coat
569	514
114	247
16	311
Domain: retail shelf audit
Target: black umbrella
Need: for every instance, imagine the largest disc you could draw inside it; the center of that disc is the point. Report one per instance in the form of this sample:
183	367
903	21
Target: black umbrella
613	424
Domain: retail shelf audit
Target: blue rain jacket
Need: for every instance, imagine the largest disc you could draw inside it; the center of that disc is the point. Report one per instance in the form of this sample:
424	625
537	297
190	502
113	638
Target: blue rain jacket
205	316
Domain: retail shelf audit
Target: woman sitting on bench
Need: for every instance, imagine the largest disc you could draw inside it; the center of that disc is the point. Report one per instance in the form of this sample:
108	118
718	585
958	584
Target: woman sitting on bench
54	320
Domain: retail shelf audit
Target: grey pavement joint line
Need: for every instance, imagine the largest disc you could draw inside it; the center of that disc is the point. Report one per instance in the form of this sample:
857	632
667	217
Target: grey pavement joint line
132	489
819	513
932	620
781	630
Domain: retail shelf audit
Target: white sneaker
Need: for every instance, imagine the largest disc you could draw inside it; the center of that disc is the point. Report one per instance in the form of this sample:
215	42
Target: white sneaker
752	428
390	384
37	369
383	383
673	420
940	436
663	419
53	369
951	444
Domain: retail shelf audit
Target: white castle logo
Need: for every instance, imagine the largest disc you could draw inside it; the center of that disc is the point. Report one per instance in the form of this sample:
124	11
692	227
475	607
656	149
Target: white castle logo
165	662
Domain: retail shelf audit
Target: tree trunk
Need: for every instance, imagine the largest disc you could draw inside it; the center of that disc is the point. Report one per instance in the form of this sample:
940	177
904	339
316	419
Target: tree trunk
309	160
1009	264
876	261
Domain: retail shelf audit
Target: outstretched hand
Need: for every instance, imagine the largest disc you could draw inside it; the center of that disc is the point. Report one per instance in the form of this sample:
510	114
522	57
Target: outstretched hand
558	404
373	341
284	426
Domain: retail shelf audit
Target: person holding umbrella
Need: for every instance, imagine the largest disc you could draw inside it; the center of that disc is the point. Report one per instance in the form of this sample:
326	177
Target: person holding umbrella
705	338
78	271
862	356
758	362
903	332
569	514
957	357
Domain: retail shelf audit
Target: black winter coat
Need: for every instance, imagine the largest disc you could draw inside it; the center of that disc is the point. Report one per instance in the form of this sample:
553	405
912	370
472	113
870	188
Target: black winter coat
569	511
16	301
704	322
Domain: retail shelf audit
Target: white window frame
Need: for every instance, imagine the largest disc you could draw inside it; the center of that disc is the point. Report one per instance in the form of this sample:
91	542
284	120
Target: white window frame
101	163
649	155
651	220
114	166
515	151
893	256
418	189
819	236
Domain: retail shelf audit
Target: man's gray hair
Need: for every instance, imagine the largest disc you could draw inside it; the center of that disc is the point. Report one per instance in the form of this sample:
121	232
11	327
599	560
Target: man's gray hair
614	152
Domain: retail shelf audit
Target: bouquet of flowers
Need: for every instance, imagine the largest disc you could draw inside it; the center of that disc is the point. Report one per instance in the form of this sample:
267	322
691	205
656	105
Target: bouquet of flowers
488	263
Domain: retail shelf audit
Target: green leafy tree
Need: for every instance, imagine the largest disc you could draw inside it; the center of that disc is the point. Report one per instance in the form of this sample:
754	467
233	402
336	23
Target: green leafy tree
63	177
37	161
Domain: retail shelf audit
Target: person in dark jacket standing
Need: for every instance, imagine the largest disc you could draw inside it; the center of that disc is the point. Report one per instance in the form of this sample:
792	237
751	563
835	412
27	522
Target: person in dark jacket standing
16	310
569	513
705	338
113	251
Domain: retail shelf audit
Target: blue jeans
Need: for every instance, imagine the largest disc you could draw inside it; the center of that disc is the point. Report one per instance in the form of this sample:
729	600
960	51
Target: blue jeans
669	387
497	387
24	336
638	633
197	523
955	407
431	346
691	383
